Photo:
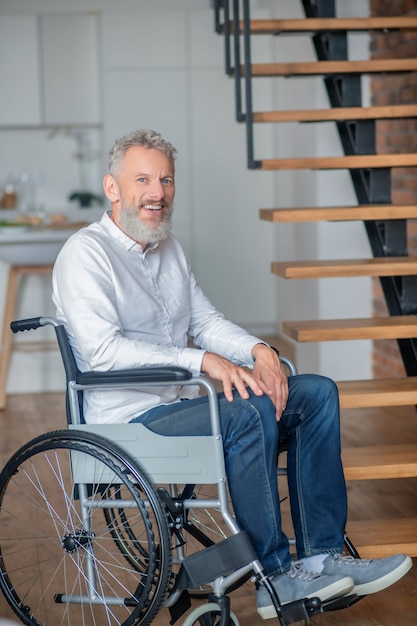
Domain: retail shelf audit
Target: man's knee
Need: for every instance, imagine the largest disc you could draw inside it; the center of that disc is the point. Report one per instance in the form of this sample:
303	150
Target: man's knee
327	389
255	416
313	387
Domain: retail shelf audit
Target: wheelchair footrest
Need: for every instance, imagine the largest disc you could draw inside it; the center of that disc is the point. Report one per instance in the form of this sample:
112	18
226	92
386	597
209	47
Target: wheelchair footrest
299	611
217	560
340	603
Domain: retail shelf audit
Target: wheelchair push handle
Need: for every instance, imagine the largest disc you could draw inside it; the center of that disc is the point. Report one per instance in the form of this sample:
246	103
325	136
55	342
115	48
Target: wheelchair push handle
32	323
28	324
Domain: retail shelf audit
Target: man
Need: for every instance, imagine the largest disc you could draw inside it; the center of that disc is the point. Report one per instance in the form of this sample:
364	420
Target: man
125	292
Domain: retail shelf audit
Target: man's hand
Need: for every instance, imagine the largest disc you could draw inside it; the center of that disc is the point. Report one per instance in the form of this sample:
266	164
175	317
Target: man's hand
269	371
231	376
267	376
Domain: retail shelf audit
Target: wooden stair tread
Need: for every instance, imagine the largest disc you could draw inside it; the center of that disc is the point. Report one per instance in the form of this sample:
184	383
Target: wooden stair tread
362	161
334	214
319	68
379	462
385	266
358	394
276	26
393	327
380	538
337	114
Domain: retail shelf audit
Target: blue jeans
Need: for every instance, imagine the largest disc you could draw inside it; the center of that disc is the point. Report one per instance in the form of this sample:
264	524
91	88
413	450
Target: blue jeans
310	424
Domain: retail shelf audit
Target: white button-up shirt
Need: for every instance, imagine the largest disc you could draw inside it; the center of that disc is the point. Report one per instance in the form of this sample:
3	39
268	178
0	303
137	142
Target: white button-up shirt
124	308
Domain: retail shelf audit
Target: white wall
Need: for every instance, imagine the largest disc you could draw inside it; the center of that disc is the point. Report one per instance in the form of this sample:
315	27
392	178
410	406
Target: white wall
161	66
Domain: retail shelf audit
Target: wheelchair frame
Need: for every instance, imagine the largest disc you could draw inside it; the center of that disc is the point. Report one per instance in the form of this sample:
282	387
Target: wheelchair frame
113	468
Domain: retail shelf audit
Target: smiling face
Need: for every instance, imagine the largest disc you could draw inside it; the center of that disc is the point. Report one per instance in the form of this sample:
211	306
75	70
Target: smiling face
142	193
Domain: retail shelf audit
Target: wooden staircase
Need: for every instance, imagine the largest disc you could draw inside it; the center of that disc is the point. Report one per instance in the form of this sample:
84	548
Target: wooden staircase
384	221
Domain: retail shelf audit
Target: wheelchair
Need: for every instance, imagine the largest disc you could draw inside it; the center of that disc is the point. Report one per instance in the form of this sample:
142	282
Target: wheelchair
108	524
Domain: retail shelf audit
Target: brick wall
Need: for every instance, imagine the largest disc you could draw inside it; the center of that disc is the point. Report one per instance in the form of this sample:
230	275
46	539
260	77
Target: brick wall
395	136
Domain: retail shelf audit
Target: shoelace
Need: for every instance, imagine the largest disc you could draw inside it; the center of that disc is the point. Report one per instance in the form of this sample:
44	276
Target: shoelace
350	561
297	571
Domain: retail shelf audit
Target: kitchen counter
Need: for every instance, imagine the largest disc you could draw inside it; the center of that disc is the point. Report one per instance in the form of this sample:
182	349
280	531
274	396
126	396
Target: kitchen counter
33	245
39	245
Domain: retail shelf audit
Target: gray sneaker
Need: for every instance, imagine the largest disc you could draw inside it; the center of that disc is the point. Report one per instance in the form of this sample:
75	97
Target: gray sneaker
371	575
297	584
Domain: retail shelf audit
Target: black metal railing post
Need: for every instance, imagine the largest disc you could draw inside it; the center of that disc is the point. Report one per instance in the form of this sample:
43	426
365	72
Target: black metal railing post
218	25
227	37
248	117
237	62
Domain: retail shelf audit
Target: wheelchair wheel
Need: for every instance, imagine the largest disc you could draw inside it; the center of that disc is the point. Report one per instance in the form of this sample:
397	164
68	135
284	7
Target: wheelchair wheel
208	615
59	560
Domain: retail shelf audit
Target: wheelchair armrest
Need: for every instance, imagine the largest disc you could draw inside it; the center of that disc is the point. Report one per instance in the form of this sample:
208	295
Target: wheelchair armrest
155	374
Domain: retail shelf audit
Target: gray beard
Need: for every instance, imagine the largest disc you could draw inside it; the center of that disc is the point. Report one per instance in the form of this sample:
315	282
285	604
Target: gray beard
142	232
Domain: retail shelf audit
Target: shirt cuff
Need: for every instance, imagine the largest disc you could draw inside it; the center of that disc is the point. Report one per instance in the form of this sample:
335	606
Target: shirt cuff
191	359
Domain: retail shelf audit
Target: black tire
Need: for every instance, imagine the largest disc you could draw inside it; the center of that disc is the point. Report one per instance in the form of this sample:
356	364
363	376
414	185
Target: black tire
49	543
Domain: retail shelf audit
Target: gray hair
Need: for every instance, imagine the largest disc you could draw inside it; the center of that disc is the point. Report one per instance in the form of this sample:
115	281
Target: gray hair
142	138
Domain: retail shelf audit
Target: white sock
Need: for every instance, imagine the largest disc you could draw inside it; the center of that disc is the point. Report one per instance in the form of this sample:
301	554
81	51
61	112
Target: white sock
314	563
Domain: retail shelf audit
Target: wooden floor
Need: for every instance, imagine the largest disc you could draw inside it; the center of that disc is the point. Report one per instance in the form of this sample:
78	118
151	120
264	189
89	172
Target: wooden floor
29	415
